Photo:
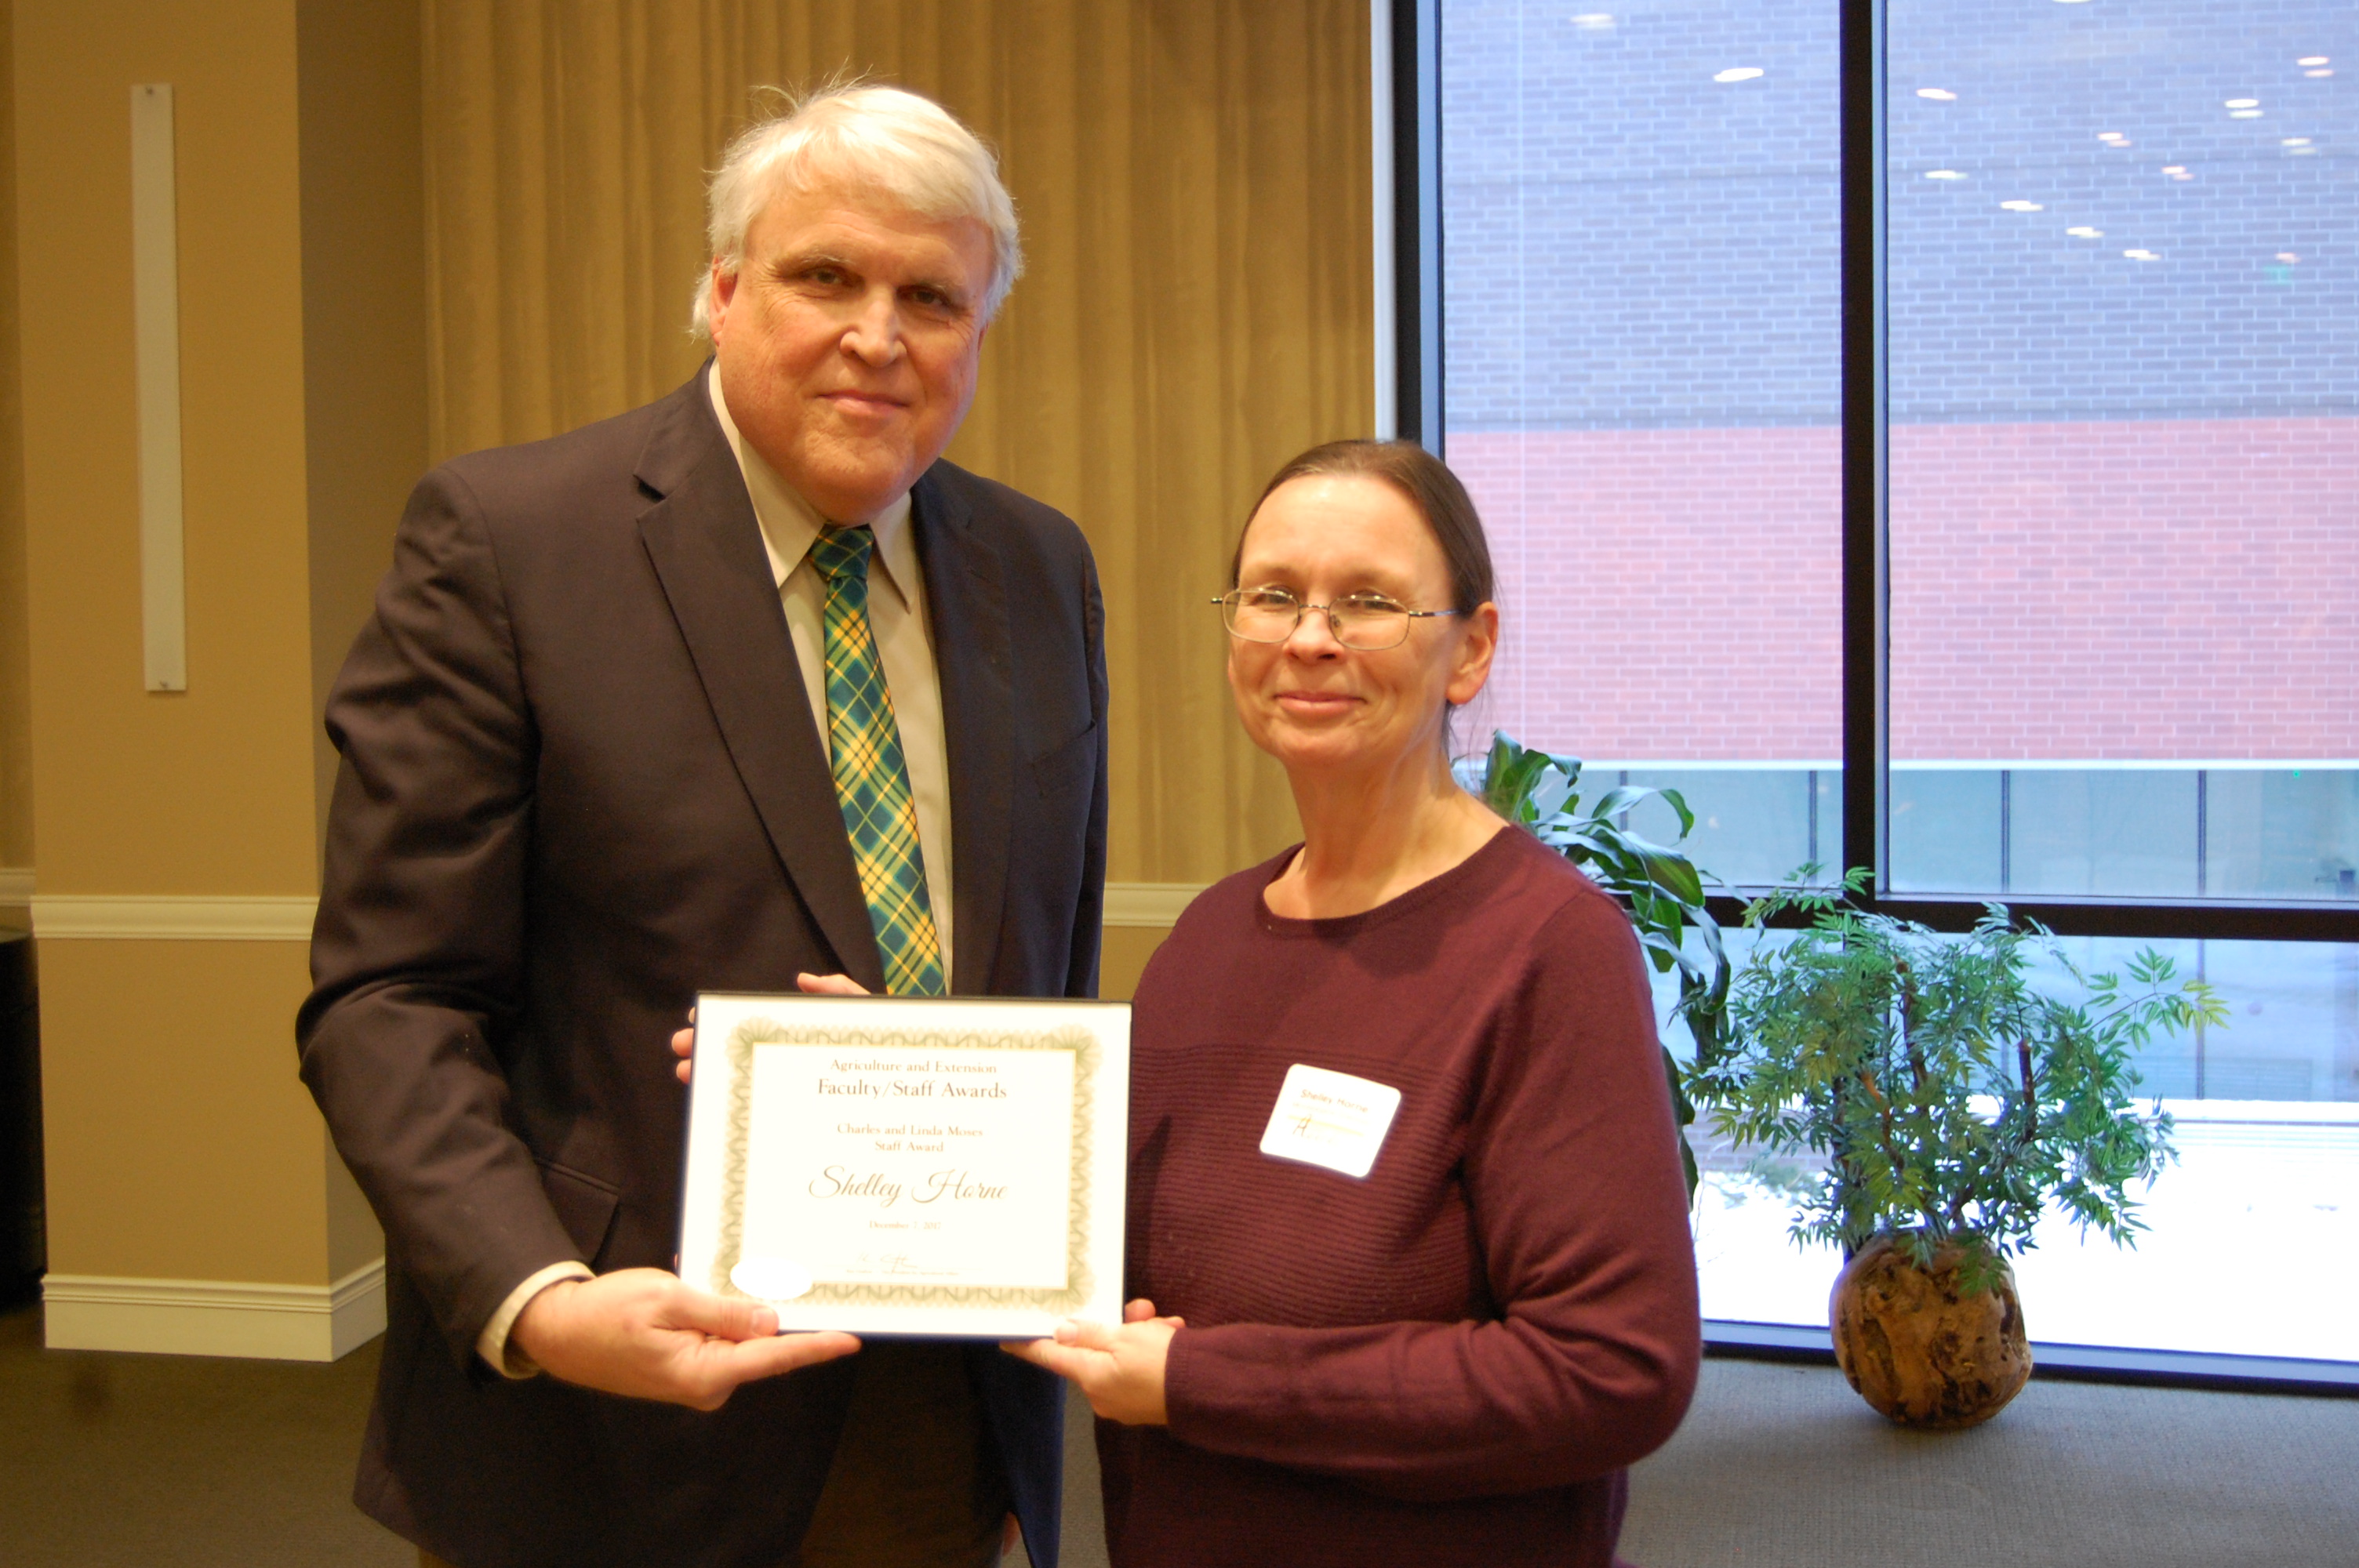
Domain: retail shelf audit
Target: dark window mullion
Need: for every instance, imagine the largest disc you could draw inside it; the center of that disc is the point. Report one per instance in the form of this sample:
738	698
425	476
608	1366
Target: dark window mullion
1866	644
1416	220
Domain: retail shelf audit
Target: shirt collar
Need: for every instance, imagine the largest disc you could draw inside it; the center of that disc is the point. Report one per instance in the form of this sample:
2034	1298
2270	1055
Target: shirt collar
789	523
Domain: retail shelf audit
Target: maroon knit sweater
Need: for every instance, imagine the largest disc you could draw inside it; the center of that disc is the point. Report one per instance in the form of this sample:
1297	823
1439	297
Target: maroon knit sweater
1453	1360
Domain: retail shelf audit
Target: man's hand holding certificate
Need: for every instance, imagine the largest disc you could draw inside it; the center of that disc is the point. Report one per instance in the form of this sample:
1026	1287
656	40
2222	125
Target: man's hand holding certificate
887	1165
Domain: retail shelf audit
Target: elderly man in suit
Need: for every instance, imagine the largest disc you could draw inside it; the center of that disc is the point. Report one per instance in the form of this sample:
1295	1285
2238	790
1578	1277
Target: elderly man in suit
738	688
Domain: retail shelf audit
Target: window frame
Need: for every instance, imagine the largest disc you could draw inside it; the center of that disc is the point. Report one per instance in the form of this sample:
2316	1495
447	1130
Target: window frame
1409	255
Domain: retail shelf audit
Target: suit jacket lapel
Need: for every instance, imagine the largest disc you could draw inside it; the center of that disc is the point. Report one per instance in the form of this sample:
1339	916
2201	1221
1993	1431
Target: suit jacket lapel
707	550
968	607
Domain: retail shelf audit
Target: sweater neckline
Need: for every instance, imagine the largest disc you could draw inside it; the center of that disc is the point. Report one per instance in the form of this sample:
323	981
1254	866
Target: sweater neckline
1475	868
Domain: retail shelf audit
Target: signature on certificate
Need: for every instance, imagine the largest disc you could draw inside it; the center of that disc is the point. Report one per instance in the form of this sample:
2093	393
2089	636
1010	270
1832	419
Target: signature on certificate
893	1263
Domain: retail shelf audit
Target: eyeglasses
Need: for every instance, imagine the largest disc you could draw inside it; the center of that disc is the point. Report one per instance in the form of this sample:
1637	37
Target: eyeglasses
1364	622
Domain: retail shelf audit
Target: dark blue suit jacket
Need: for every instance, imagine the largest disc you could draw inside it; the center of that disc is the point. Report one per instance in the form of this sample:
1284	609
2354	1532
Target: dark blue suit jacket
579	784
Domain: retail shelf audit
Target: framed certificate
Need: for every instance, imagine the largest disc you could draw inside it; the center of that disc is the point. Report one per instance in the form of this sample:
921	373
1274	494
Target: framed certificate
893	1166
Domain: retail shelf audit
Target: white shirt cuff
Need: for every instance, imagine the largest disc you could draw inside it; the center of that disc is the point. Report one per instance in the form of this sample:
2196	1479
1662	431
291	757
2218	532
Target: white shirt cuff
493	1345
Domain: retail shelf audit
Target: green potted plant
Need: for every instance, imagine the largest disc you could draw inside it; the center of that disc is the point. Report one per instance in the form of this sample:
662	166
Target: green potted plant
1953	1101
1661	888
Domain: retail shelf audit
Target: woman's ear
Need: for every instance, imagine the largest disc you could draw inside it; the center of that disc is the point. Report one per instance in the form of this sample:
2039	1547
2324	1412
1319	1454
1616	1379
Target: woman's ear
1478	644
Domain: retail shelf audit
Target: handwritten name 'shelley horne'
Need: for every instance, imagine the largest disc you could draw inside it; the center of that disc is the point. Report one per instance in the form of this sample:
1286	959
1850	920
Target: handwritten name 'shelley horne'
838	1181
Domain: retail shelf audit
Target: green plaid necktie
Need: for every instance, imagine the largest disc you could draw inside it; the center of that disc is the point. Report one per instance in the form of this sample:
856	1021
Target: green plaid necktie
872	784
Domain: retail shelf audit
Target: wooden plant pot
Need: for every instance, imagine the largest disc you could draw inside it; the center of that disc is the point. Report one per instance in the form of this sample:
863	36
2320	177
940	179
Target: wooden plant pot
1917	1350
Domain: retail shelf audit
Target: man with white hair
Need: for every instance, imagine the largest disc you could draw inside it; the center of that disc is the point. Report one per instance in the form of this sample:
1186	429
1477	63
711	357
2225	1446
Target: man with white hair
740	688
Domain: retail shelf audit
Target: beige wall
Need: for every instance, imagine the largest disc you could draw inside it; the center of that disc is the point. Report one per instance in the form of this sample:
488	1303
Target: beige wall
207	791
16	697
179	1144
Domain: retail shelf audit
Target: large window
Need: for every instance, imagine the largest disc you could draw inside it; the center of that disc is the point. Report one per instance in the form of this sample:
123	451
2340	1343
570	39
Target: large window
1957	400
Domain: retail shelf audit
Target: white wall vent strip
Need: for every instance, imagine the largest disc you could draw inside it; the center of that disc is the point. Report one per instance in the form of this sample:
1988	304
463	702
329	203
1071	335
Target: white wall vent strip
156	319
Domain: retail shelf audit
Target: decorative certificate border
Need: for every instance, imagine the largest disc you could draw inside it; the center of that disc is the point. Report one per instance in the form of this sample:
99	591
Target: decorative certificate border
1078	1279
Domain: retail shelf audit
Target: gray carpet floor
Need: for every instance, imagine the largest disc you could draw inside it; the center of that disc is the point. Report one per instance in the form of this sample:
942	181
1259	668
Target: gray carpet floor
111	1461
1782	1467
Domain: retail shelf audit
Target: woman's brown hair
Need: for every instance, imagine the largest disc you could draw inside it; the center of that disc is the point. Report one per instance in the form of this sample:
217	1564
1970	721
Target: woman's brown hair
1425	482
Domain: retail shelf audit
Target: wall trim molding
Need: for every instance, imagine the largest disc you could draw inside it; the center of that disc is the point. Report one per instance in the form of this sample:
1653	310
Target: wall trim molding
1155	904
169	917
172	917
214	1317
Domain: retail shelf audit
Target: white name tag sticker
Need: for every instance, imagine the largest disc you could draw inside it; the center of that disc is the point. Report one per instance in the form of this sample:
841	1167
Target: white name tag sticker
1330	1119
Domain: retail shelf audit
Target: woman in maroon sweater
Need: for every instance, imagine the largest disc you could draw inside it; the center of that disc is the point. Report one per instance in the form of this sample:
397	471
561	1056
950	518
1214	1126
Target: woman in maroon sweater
1405	1215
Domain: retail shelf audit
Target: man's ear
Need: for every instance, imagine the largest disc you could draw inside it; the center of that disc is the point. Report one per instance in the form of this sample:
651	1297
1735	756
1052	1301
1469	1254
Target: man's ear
719	292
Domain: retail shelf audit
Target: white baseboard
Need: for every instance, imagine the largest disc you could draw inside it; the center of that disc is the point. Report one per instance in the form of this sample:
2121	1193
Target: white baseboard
214	1317
1147	903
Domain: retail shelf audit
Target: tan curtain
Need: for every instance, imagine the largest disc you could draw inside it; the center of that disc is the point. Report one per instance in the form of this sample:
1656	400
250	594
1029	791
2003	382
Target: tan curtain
1192	178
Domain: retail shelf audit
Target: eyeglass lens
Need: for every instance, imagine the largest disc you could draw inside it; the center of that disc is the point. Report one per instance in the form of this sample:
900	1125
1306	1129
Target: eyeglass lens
1365	625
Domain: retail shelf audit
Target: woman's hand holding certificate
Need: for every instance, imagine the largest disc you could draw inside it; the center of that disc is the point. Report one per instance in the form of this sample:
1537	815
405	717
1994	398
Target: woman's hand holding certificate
1119	1370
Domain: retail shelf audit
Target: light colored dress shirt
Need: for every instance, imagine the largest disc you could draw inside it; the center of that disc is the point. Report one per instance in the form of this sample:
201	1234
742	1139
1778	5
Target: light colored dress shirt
904	642
905	645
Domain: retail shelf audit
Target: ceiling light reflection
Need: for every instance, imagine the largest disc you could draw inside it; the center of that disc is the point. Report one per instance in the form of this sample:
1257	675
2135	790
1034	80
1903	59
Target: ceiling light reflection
1944	174
2141	256
2086	234
2023	206
1739	73
1939	94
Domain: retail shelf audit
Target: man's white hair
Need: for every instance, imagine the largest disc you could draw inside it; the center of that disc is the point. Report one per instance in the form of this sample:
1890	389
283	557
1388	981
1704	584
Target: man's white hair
908	147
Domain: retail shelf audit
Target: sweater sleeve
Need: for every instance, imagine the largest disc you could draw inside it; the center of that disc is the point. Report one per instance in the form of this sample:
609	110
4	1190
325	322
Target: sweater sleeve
1573	1175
